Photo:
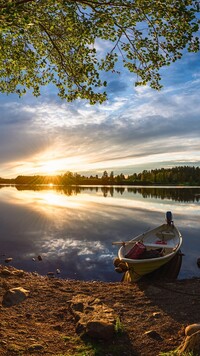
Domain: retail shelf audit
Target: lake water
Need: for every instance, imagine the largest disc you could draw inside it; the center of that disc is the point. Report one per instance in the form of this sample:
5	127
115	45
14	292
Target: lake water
73	228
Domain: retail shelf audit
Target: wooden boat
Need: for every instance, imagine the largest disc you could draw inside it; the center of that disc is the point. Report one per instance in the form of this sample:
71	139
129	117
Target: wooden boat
149	251
168	272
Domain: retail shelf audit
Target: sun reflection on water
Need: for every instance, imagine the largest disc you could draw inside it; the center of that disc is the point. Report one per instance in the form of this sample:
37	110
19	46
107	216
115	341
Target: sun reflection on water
72	228
46	201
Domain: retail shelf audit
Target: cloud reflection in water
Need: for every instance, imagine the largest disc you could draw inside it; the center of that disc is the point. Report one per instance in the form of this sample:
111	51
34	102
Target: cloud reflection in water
73	229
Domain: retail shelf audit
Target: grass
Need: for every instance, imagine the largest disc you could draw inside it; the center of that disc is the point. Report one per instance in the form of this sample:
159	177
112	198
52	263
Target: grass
119	328
84	346
175	353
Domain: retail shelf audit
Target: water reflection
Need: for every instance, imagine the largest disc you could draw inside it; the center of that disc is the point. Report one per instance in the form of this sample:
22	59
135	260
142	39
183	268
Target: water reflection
73	227
184	194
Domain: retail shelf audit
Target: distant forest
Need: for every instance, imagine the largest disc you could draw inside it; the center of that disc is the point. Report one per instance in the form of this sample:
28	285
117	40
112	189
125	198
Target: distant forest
183	175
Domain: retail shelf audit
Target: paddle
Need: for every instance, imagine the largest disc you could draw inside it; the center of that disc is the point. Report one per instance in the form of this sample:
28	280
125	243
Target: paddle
124	242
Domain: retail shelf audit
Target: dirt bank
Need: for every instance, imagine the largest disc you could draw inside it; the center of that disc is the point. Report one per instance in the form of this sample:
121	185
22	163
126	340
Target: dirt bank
43	324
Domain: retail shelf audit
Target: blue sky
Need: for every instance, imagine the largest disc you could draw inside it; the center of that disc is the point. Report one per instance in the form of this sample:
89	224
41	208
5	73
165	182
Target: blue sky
137	128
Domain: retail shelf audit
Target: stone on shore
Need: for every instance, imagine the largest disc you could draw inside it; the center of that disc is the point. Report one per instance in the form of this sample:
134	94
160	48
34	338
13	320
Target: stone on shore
94	318
191	329
192	341
14	296
5	272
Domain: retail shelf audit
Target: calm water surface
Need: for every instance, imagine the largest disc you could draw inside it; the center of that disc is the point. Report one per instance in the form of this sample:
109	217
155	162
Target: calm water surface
73	228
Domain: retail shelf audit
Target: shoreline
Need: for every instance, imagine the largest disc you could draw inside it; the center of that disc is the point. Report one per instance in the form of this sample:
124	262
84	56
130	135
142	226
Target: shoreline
152	314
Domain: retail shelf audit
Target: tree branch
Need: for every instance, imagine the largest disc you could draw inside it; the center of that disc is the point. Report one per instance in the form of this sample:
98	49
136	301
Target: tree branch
61	55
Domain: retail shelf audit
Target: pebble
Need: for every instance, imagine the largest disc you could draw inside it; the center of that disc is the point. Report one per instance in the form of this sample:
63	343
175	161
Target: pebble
35	347
156	314
191	329
50	274
35	274
153	334
6	272
9	259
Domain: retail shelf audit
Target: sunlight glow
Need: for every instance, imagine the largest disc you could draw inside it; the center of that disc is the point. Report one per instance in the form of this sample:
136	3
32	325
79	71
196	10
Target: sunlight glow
45	201
54	161
51	167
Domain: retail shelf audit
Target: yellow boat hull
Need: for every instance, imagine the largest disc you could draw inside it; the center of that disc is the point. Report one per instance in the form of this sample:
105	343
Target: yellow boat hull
137	271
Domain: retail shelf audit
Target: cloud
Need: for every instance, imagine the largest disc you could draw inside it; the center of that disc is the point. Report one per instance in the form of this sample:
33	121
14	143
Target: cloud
134	128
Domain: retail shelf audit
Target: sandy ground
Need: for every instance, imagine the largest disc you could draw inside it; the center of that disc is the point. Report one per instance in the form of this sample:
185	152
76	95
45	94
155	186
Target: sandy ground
153	316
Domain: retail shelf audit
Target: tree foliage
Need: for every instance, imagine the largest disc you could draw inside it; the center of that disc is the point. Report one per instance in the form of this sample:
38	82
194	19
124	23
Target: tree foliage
183	175
55	41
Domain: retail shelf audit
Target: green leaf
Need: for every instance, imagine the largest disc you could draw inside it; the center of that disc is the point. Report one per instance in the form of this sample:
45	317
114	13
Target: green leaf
54	42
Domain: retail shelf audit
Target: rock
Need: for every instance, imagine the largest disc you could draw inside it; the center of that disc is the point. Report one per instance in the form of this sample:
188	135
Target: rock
100	329
93	317
35	347
153	334
191	329
191	344
5	272
39	258
15	272
58	271
156	314
14	296
198	262
50	274
18	273
9	259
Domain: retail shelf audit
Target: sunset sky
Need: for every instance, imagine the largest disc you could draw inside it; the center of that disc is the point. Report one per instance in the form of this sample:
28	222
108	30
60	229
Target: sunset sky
136	129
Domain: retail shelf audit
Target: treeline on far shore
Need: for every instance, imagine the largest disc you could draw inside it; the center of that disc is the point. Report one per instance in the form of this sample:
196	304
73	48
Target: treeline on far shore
182	175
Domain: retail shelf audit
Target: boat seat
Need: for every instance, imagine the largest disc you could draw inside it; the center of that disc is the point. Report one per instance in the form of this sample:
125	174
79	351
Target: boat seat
168	244
159	245
165	234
